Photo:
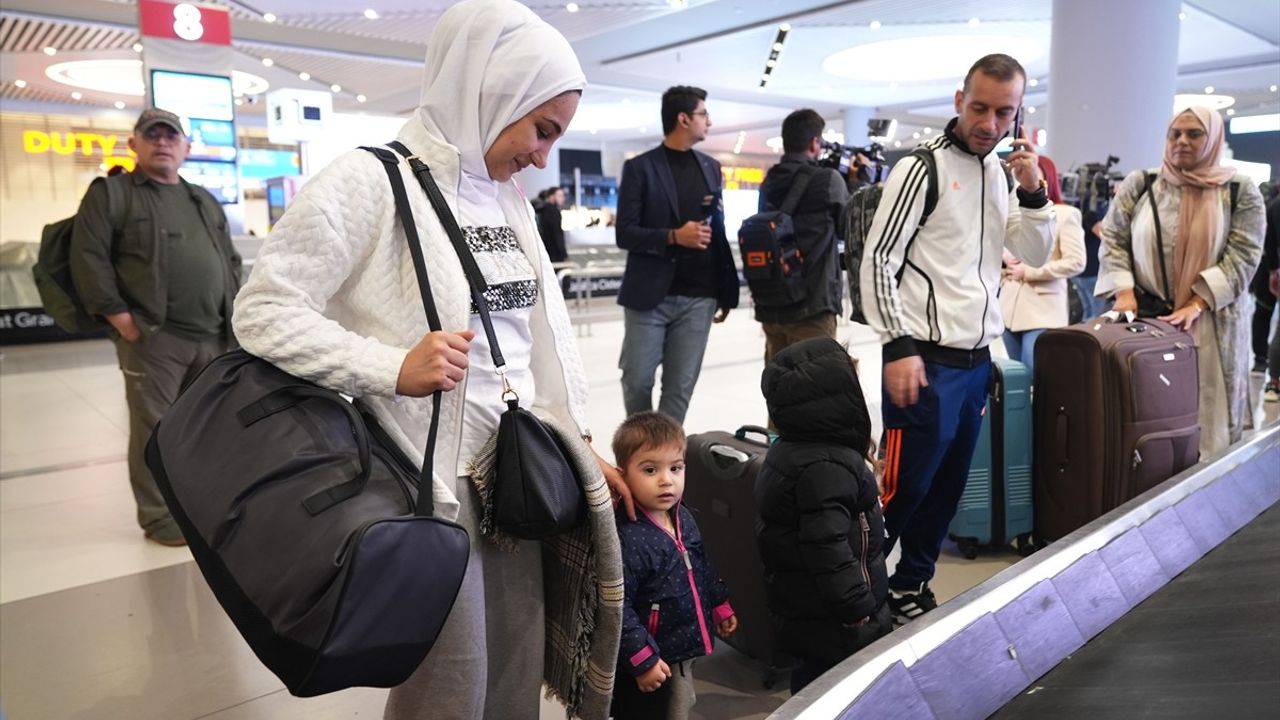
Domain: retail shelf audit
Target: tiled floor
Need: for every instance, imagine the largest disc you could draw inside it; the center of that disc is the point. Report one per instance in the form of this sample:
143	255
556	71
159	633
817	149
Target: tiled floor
97	624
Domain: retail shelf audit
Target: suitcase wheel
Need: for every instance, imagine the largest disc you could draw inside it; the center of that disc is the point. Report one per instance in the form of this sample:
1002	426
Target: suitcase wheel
968	547
1025	545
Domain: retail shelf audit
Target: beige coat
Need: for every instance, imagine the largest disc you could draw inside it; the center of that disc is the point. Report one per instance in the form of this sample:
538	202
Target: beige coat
1040	300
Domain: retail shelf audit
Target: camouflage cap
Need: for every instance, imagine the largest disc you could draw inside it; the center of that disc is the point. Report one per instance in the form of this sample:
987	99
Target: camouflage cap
156	116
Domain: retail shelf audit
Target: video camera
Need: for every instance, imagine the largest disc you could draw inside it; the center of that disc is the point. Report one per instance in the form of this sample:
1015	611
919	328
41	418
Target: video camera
1090	187
867	162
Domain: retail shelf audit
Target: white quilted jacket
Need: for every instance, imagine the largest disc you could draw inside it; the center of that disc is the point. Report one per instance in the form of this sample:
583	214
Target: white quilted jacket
333	299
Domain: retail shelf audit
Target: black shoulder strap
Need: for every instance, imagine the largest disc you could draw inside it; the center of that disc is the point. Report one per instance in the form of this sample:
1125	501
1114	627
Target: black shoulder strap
1148	189
390	163
474	277
789	203
931	181
1235	196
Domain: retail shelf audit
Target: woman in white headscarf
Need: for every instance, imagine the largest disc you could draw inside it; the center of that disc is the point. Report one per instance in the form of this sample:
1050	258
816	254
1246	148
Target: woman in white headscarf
1211	231
333	298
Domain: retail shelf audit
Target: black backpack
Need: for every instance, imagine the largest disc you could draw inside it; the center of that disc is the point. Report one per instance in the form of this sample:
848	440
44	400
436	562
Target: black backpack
861	210
771	261
52	270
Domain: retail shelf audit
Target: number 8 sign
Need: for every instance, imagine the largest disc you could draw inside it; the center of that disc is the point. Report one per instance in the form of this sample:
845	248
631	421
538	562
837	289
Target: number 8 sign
190	22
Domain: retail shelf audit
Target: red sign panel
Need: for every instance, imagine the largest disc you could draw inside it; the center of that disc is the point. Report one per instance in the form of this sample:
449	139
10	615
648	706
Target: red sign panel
184	21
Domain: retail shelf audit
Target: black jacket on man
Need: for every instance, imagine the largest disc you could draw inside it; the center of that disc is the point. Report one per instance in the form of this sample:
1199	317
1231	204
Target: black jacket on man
818	220
821	534
648	209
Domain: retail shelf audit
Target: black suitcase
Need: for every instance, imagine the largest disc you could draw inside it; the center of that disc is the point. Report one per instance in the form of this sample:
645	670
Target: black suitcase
720	477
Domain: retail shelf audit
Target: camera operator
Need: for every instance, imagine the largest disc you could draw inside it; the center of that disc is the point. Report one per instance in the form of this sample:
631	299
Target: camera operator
816	218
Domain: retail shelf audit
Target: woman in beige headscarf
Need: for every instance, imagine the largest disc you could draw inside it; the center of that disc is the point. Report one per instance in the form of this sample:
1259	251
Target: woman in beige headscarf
1210	230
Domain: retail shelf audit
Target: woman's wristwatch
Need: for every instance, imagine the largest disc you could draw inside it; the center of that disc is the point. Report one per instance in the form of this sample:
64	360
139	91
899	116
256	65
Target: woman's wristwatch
1199	304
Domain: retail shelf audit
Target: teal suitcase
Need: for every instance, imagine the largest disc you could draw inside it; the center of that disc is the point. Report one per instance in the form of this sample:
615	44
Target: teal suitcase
996	507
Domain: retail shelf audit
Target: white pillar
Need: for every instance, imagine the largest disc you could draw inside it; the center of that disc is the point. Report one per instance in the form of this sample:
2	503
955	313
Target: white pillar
855	125
1113	70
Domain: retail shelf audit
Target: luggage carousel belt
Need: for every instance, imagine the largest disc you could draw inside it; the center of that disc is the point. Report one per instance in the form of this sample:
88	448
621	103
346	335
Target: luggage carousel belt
1207	645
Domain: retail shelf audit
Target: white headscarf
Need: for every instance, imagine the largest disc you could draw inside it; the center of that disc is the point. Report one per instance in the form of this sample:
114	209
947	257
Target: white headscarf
490	63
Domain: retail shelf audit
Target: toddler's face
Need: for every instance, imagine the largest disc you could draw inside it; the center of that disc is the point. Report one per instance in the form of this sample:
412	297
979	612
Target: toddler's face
656	477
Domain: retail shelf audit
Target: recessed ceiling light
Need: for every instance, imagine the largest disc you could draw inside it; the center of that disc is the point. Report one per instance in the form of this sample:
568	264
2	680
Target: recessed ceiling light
785	27
934	57
1208	89
1182	101
76	95
915	136
1031	109
371	14
268	17
928	131
119	104
20	83
239	101
1182	16
268	62
124	77
974	22
770	63
897	143
137	47
361	98
1032	82
678	4
777	47
336	87
875	25
51	51
1273	88
304	76
1231	111
571	7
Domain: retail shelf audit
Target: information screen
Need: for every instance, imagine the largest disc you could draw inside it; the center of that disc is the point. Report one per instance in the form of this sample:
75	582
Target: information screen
193	95
219	178
212	140
207	108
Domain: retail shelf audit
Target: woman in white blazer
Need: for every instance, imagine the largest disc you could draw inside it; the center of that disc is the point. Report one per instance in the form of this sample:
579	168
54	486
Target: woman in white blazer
1034	299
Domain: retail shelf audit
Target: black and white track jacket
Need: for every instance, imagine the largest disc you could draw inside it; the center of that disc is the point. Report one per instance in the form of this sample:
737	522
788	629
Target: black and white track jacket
937	283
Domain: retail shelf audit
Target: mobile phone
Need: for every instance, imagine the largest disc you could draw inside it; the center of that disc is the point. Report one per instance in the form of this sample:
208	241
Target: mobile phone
1017	126
708	208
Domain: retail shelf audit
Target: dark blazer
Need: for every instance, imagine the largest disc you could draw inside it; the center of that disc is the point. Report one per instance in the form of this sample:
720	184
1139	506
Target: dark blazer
647	211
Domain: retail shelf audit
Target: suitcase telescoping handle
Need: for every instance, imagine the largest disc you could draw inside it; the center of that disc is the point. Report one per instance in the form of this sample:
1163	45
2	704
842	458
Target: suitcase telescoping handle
745	430
1060	423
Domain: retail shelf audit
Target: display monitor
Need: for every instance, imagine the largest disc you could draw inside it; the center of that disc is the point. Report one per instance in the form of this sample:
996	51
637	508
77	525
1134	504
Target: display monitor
193	95
219	178
212	140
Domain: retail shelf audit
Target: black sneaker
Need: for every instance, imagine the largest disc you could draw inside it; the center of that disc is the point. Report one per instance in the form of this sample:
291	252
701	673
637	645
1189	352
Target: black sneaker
911	604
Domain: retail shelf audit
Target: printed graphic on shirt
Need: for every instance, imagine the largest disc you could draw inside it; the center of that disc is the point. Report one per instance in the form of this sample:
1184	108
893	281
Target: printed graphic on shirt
508	273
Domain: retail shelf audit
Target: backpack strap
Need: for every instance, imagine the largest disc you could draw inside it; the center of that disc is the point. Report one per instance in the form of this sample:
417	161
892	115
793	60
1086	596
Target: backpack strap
925	156
1235	196
789	203
1148	182
119	194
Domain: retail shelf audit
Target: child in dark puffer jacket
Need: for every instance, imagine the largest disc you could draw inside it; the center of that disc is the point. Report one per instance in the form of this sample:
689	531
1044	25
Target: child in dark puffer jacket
822	534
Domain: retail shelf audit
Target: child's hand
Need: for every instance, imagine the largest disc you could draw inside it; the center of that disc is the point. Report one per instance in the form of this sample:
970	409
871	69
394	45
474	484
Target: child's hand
727	626
653	678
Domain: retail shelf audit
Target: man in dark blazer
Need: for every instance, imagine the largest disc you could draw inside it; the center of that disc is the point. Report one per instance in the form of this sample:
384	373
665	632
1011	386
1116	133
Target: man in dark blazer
680	276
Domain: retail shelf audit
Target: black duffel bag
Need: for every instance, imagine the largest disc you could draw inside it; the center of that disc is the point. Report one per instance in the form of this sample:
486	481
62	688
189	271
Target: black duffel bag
314	531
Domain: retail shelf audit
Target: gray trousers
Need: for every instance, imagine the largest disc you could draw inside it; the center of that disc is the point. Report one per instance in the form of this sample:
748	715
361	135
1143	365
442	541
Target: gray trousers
487	662
673	335
155	370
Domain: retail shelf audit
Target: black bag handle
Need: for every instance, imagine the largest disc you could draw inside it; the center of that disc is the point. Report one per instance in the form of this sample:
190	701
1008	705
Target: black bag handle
390	163
474	277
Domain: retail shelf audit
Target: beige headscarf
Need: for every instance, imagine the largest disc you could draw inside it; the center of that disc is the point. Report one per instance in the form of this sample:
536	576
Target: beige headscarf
1200	213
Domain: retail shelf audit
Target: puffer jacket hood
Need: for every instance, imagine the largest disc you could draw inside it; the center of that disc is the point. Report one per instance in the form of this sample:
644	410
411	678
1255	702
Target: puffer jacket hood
812	393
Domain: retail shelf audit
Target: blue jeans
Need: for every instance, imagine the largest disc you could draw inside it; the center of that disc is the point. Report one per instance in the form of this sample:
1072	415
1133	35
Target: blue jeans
1021	346
928	447
1094	306
673	335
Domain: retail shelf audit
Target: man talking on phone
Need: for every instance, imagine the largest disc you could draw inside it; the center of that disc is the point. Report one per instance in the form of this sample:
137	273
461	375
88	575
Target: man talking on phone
929	291
680	276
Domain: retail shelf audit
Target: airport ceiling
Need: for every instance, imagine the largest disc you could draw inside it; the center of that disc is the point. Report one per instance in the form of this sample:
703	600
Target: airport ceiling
633	49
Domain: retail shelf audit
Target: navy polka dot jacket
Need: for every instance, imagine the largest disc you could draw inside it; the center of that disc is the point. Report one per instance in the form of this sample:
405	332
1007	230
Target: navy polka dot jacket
674	597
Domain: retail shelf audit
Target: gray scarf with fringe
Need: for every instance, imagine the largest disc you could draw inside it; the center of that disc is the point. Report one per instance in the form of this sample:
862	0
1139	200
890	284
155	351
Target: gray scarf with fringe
582	585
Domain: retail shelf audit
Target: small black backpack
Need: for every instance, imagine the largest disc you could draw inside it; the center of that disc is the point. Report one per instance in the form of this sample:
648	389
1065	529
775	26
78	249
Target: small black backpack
771	261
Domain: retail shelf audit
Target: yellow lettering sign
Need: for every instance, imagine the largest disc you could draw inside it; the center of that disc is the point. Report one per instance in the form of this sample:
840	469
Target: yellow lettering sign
111	161
38	142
